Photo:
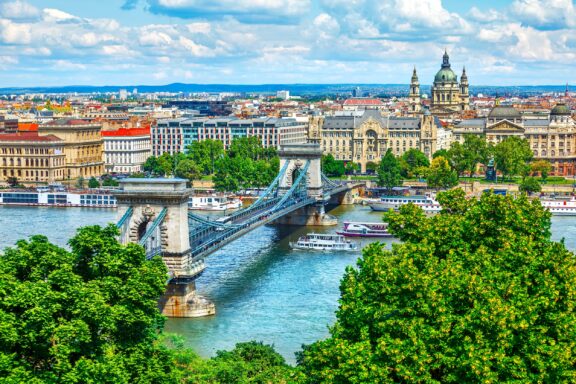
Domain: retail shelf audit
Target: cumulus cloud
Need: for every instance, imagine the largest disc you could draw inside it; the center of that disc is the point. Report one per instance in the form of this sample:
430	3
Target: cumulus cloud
545	14
18	10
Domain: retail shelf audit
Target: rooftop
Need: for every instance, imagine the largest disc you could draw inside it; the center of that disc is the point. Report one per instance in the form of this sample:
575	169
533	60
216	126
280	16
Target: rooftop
28	136
127	132
359	101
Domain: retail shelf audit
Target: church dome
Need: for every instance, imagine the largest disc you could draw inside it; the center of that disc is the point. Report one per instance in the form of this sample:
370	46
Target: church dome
502	112
560	109
445	75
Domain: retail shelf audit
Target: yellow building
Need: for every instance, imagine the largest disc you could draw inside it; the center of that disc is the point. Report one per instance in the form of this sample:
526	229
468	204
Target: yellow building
31	158
83	146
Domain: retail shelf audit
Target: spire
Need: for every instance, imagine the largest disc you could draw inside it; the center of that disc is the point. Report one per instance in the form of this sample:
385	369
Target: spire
464	77
566	91
414	76
445	59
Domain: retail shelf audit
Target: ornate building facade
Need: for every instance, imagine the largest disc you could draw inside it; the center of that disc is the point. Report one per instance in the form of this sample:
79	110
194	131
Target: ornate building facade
364	137
551	138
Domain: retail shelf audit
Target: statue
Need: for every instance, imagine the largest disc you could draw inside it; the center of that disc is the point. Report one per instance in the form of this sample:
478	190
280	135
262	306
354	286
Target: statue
491	171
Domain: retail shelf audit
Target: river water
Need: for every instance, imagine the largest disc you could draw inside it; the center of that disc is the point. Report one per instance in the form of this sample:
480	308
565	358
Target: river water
263	290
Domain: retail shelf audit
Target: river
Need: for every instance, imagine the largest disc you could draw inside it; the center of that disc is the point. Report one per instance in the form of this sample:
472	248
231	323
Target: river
263	290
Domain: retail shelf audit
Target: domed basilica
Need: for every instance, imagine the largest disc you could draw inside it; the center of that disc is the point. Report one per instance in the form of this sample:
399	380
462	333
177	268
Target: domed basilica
447	95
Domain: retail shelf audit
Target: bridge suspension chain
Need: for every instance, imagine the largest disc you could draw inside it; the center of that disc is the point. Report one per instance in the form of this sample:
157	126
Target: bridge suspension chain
270	188
208	222
124	218
326	181
153	227
295	185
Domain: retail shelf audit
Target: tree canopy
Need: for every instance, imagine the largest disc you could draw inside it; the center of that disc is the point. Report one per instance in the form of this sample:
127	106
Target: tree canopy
440	174
389	171
88	315
412	160
476	293
205	154
332	167
512	156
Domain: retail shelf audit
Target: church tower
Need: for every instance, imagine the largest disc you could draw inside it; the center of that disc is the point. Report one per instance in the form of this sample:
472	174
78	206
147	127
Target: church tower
464	92
414	96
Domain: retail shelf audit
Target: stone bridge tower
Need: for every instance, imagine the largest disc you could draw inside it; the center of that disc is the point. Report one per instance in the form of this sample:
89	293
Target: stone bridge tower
154	213
297	155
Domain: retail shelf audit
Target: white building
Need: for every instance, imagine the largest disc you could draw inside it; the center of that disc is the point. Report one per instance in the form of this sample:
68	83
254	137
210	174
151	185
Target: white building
126	150
284	95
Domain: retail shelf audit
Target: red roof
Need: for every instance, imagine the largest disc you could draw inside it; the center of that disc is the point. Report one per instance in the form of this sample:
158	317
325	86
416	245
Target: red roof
27	136
27	127
123	132
363	102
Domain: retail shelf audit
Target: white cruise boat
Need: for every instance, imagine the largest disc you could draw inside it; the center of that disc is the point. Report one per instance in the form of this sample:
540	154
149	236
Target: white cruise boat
386	203
352	229
558	207
320	242
213	203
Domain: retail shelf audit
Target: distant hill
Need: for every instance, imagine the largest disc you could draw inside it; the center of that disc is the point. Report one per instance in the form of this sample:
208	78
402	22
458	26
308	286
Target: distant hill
295	89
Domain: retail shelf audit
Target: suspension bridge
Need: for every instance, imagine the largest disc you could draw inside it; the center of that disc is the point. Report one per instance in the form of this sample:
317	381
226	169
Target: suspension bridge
154	213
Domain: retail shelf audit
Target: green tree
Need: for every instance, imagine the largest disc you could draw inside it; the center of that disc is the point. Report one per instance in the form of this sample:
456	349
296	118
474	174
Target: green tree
12	181
87	315
530	185
441	152
110	182
477	150
440	175
206	154
512	156
458	158
251	148
412	159
389	171
151	165
80	182
351	168
332	167
543	167
188	169
93	183
477	293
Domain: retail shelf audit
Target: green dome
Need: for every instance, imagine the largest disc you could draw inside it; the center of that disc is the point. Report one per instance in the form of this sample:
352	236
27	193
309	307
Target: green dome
445	75
560	109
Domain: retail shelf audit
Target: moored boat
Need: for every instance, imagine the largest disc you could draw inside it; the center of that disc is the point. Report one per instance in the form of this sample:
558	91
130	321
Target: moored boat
213	203
560	207
353	229
386	203
322	242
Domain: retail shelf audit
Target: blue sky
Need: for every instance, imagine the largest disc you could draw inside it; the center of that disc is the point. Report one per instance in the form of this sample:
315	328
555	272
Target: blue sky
130	42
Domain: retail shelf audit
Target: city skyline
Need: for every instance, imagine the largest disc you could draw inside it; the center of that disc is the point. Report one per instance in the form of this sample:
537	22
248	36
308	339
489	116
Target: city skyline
155	42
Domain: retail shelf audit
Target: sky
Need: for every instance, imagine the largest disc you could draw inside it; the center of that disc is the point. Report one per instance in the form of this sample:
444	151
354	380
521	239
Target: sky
154	42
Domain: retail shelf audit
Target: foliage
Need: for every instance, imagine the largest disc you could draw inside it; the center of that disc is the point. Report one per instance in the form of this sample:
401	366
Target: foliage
543	167
251	148
530	185
93	183
441	152
152	166
188	169
80	182
389	171
12	181
250	362
332	167
88	315
206	153
465	157
411	160
477	293
440	175
512	156
109	182
352	168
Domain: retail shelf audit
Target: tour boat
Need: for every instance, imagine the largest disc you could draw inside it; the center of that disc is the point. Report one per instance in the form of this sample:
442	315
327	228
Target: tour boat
560	207
352	229
320	242
213	203
387	203
58	198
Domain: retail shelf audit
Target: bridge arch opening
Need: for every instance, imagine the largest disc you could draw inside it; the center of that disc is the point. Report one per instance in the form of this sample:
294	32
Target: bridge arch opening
142	229
295	173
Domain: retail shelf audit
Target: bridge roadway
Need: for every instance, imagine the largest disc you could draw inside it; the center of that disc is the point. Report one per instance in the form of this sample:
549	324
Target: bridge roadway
204	241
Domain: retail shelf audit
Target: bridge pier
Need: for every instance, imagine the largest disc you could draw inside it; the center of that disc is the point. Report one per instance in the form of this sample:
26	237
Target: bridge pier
310	215
154	213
